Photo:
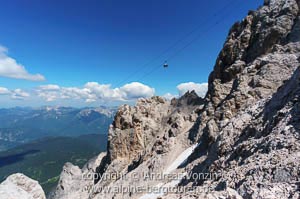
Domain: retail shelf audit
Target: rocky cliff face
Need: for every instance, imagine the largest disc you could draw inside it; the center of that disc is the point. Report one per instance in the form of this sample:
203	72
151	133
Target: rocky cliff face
241	141
148	128
75	182
248	126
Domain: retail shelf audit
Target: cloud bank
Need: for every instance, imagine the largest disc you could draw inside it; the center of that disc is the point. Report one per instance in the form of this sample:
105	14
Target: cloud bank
93	91
96	92
17	94
4	91
10	68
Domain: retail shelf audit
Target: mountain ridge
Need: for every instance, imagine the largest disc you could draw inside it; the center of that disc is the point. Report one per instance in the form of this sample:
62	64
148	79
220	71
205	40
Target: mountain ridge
20	125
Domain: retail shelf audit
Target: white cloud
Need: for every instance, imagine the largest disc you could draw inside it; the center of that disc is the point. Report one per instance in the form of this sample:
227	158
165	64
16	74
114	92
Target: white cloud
49	87
169	96
48	92
10	68
137	90
99	93
200	89
48	96
16	94
19	94
4	91
93	91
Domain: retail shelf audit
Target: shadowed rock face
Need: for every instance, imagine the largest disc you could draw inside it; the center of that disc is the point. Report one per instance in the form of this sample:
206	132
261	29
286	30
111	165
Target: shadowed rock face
246	130
260	54
248	121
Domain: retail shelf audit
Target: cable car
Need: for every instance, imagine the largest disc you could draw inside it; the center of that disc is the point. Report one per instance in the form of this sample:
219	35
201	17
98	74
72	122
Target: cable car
166	65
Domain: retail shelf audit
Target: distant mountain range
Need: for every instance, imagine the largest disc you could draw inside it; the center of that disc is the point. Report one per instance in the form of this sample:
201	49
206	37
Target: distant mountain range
22	124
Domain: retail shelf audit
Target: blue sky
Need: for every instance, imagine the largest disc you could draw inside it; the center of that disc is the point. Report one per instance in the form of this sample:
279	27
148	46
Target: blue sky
71	43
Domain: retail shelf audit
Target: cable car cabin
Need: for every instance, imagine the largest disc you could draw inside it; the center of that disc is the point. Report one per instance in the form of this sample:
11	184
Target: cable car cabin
166	65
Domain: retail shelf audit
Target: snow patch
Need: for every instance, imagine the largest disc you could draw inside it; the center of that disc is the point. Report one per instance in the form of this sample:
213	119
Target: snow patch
180	160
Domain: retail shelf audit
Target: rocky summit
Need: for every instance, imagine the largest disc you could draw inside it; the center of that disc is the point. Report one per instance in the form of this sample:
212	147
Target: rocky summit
19	186
241	141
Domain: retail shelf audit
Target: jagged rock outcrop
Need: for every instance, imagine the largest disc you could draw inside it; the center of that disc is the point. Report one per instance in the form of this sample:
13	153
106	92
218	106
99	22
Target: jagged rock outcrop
18	186
75	182
259	55
146	138
137	129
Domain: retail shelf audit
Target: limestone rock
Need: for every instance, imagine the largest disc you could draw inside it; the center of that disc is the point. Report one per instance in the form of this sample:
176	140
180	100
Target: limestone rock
75	182
248	126
18	186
